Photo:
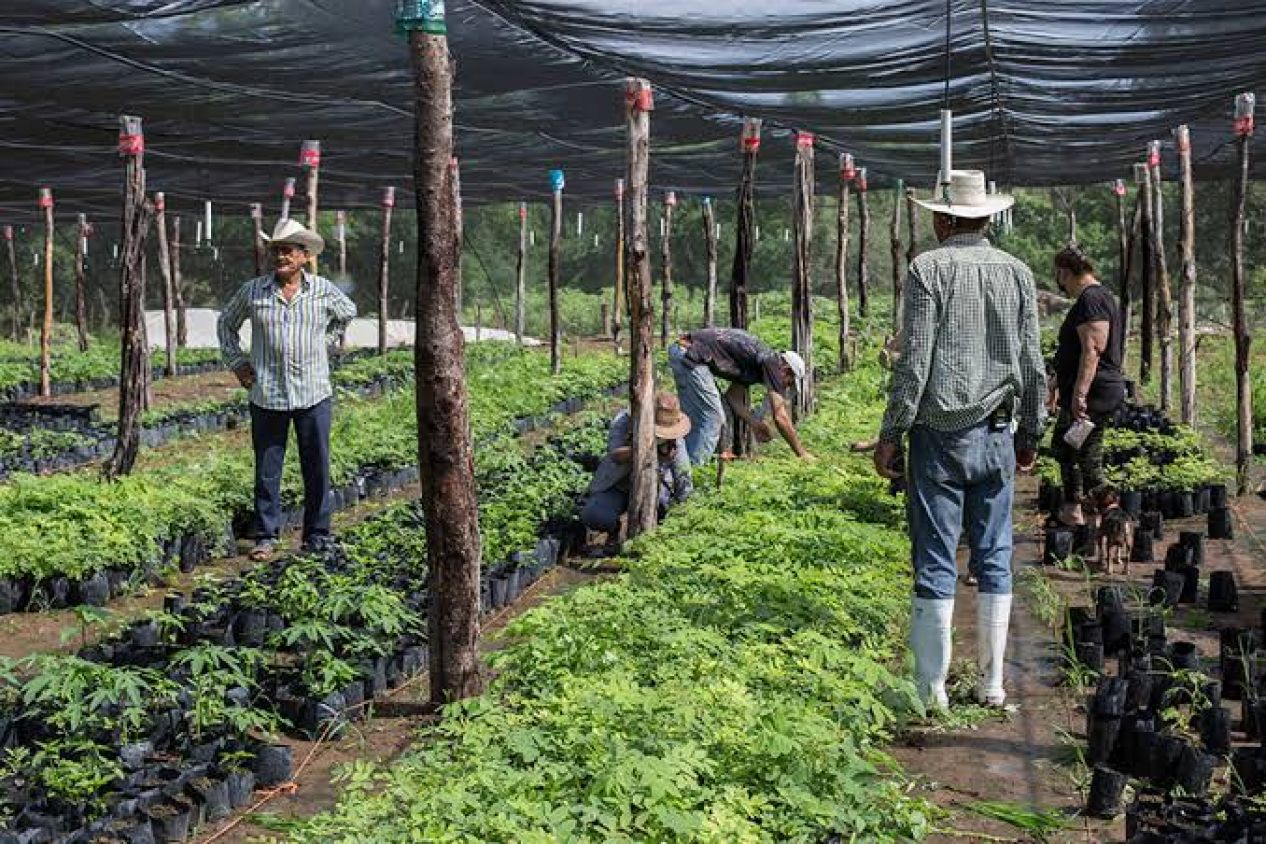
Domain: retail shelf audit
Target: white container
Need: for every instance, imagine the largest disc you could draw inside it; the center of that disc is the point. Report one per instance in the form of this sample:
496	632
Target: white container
1076	435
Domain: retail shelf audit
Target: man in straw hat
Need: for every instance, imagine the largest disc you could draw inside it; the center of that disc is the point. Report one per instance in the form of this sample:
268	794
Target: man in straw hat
971	366
294	317
608	497
699	357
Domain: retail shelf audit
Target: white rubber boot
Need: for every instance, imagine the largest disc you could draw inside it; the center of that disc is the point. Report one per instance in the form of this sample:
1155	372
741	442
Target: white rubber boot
993	616
930	627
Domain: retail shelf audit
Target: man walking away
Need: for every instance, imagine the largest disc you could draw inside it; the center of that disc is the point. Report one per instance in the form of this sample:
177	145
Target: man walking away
971	362
294	317
697	359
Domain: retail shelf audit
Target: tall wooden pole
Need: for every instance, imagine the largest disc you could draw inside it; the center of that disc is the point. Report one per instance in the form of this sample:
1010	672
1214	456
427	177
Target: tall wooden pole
1245	105
445	452
557	183
1132	249
710	238
863	246
164	269
1164	296
310	160
848	172
1148	266
455	173
1123	262
340	230
1187	298
743	441
46	330
81	305
619	308
384	266
287	196
15	282
520	286
666	258
643	483
894	239
178	286
912	232
802	271
257	242
134	365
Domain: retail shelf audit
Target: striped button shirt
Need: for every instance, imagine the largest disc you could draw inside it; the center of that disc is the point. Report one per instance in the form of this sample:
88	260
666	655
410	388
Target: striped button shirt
289	340
969	343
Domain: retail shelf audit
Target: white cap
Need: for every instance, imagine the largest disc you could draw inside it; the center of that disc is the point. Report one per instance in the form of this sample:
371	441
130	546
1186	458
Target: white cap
796	363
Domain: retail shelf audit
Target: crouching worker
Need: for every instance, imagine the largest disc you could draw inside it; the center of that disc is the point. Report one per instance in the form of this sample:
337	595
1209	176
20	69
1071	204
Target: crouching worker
700	357
608	497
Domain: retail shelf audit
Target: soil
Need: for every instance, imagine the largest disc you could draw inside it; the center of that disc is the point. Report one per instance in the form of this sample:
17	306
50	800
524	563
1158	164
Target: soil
1026	757
167	392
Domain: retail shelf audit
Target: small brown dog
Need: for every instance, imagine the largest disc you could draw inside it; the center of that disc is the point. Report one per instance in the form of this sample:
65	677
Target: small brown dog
1114	533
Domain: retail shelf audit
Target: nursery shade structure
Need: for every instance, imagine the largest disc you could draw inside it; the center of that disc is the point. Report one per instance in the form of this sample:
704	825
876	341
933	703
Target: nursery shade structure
1043	93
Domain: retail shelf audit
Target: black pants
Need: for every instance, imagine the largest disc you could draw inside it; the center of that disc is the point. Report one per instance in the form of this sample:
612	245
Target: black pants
270	429
1080	469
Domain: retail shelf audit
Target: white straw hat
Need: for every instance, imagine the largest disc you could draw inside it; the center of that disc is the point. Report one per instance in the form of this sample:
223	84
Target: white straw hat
967	197
295	234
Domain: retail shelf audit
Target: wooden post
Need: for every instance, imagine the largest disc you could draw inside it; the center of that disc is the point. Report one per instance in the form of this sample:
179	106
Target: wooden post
310	161
177	285
912	229
164	269
1148	266
134	365
384	266
46	330
743	441
710	238
848	172
257	244
340	234
1187	298
557	183
455	173
1164	296
1245	105
15	281
643	483
863	246
894	236
1123	261
1132	248
802	272
666	257
287	195
81	304
520	287
604	311
445	452
620	283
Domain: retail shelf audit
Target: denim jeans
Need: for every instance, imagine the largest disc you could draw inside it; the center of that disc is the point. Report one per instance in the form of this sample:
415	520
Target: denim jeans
601	511
701	401
270	429
961	479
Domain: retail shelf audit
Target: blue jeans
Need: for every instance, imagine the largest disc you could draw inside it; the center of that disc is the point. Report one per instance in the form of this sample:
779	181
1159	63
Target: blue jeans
269	431
601	511
961	479
701	401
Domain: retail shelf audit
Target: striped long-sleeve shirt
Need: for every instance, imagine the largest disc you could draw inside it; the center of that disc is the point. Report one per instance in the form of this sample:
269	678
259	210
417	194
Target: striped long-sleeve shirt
289	340
969	342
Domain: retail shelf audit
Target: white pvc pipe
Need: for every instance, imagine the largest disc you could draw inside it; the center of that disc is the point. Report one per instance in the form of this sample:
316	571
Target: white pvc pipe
947	145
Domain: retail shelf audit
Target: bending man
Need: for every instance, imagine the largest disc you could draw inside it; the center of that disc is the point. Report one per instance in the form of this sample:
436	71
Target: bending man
294	315
971	362
700	357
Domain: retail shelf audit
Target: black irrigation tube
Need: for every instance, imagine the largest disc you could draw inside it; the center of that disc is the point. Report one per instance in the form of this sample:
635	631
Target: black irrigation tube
174	785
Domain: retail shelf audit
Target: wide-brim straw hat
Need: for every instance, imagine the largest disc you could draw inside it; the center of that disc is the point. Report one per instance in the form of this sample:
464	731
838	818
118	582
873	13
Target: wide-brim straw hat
295	234
967	197
670	422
